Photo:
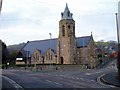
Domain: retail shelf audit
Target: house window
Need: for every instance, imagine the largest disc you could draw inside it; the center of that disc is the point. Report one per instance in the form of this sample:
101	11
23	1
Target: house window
47	57
51	57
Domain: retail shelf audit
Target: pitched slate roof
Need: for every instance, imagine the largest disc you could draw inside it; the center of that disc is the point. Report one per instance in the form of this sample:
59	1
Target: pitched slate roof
44	45
83	41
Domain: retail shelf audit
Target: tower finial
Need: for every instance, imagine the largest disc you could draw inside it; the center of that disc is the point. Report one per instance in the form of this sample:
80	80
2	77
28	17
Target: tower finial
66	4
91	33
66	14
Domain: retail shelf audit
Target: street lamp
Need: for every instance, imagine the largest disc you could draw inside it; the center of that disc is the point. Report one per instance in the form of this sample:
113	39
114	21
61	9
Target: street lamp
27	58
83	54
50	49
1	5
118	36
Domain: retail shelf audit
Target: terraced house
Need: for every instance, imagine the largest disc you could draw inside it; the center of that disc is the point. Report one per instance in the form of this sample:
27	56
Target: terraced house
66	49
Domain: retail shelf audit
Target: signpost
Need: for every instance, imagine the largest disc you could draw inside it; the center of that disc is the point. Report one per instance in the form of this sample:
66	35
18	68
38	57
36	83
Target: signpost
118	36
118	31
1	5
50	50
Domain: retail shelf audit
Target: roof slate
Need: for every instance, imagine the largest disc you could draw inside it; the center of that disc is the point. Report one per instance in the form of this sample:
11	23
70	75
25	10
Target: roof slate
83	41
44	45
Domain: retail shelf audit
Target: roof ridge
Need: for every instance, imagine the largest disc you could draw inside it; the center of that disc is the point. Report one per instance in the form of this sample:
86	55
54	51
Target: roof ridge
54	39
43	40
83	36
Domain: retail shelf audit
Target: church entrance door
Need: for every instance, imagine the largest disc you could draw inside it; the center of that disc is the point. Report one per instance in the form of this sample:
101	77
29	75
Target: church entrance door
61	59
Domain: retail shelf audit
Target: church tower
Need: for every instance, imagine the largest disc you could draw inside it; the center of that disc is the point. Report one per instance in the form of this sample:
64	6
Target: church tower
66	45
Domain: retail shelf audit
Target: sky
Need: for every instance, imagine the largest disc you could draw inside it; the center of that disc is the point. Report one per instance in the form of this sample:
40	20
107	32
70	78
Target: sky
29	20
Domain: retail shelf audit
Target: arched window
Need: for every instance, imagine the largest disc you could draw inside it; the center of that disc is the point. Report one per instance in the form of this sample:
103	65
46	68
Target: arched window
42	59
68	26
63	30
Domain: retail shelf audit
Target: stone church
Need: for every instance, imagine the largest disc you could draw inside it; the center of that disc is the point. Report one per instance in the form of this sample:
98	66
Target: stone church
66	49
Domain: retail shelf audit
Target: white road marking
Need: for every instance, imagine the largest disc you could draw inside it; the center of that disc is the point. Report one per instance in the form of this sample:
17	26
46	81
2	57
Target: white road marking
93	73
98	80
58	83
17	86
54	83
92	80
48	81
82	79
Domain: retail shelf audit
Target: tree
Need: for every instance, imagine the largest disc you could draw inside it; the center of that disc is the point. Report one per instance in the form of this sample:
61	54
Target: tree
3	52
12	56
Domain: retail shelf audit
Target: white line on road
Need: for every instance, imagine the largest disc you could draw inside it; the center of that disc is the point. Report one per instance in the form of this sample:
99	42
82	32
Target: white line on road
17	86
58	83
82	79
93	73
54	83
92	80
99	81
48	81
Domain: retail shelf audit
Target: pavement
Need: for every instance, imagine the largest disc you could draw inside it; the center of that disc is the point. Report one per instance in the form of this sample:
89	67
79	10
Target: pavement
110	79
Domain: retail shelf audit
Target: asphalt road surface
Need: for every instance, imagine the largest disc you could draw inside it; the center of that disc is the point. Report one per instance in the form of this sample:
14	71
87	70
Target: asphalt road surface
23	79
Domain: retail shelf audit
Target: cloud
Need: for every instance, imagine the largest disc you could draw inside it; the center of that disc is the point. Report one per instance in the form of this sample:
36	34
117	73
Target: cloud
34	19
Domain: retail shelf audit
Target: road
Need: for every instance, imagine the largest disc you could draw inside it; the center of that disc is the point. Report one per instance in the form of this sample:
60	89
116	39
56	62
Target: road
57	79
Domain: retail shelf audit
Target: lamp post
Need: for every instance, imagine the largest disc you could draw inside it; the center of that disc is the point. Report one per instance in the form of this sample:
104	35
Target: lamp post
27	58
83	54
1	5
50	49
118	37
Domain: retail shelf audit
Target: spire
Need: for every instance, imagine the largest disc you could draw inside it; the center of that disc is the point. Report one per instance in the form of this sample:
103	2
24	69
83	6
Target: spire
66	14
66	9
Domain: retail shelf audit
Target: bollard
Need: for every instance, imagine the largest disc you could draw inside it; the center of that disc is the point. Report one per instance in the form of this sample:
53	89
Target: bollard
41	68
37	69
56	68
31	68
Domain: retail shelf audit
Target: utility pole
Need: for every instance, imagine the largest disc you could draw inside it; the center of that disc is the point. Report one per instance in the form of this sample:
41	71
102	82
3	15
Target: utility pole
50	50
83	55
1	5
118	36
27	59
